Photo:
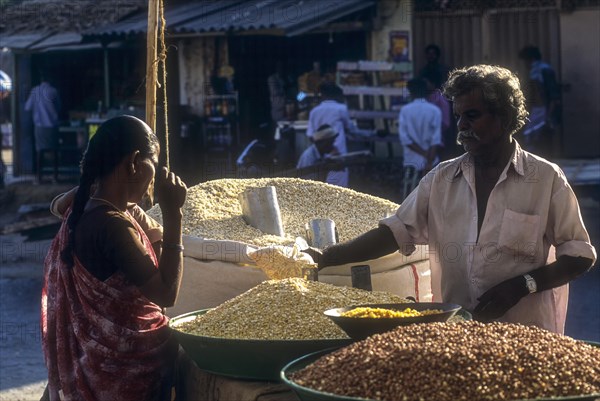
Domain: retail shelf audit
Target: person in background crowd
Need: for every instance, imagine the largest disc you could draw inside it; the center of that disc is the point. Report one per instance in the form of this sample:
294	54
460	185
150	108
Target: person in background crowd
309	81
420	130
316	154
276	83
543	98
5	90
333	112
434	70
450	148
489	216
44	103
110	271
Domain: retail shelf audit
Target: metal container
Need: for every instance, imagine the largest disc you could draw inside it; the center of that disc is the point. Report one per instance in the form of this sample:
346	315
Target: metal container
361	328
260	209
321	233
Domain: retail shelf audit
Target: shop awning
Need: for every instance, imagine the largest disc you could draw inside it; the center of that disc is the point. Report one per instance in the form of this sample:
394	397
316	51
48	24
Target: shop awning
138	24
279	17
22	41
59	39
43	42
291	18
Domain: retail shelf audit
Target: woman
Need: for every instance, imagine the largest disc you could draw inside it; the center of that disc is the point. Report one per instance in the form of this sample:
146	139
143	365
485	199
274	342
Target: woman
104	334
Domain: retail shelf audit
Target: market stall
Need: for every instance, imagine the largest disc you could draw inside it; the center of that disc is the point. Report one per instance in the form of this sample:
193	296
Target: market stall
222	261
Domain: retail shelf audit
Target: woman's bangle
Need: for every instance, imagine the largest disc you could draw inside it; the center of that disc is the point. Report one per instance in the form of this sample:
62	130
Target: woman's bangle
177	247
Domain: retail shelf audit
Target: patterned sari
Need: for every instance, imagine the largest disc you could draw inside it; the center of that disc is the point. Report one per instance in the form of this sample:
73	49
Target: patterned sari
102	340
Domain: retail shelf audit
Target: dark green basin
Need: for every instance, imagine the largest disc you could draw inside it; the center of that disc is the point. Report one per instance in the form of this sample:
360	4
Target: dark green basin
245	359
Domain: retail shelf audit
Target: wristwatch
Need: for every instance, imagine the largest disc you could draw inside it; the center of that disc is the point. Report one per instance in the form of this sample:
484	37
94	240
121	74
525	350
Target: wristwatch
530	283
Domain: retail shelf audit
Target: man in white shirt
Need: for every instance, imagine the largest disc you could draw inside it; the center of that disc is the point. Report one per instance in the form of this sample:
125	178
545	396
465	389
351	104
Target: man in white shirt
489	216
44	103
420	130
333	112
316	156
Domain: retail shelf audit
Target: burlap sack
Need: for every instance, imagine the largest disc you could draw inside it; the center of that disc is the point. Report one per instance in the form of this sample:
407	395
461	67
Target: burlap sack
217	270
412	279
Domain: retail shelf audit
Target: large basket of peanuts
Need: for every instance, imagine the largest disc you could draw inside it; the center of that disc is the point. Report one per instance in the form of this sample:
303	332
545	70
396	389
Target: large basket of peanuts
466	360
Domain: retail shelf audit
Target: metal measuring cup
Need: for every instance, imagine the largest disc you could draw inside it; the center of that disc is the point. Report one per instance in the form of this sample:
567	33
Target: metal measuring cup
321	233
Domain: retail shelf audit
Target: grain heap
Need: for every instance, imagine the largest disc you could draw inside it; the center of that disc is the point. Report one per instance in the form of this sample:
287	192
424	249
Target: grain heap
290	309
465	361
279	262
212	210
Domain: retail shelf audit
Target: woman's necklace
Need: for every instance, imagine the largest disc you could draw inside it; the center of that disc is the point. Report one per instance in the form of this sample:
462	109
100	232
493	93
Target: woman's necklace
105	201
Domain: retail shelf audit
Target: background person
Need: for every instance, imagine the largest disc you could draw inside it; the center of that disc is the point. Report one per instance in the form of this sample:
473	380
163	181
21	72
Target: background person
44	103
317	153
434	70
104	334
543	98
333	112
420	130
489	216
450	148
277	91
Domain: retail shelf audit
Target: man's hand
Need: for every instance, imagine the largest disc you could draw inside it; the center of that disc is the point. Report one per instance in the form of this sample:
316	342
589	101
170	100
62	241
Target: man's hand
496	301
315	254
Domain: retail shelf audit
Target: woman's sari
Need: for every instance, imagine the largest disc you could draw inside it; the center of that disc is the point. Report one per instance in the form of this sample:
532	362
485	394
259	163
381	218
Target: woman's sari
102	340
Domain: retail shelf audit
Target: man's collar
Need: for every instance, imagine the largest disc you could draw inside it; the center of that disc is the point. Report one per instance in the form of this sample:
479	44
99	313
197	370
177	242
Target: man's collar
517	160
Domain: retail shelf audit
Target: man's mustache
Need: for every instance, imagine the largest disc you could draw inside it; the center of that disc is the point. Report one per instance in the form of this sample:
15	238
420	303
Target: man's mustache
464	135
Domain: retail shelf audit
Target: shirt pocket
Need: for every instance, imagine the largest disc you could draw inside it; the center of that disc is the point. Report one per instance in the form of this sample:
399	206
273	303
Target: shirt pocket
519	233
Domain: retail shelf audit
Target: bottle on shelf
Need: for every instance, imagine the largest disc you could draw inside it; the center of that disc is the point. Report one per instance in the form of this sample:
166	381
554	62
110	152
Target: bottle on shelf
224	108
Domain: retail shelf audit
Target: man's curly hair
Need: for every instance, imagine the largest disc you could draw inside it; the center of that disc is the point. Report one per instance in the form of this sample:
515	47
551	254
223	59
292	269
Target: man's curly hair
500	89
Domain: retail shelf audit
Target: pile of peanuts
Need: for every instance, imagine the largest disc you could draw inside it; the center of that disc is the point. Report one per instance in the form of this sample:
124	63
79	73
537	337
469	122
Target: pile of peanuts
290	309
468	361
212	210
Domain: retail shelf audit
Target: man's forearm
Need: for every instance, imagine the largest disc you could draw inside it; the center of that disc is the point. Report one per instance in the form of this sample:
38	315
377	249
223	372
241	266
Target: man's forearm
565	269
371	245
417	149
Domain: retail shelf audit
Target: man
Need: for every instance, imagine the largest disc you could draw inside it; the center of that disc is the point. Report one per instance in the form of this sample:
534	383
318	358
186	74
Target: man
333	112
316	155
543	95
276	84
420	129
488	216
44	102
434	70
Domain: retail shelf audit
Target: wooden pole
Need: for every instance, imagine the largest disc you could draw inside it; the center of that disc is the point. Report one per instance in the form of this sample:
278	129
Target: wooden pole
106	77
151	64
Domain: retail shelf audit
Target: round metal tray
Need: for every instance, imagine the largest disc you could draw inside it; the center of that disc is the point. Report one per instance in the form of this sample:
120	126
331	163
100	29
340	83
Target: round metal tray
361	328
308	394
245	359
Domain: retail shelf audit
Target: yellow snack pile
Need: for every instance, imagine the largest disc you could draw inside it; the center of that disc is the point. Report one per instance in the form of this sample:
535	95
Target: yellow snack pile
367	312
